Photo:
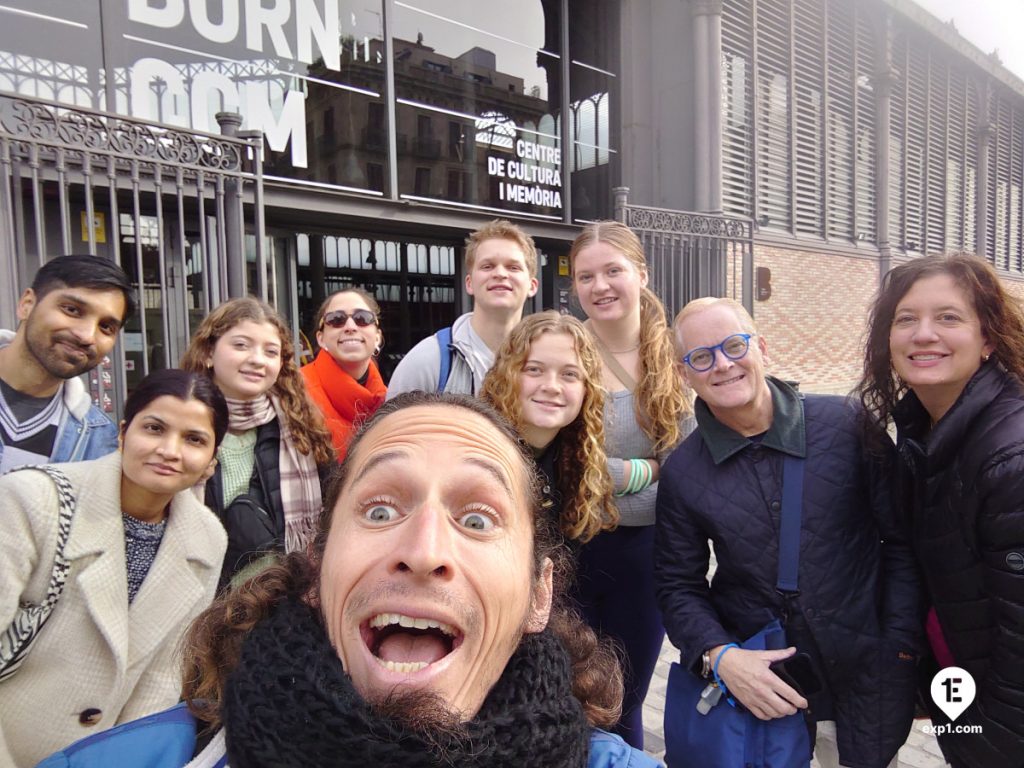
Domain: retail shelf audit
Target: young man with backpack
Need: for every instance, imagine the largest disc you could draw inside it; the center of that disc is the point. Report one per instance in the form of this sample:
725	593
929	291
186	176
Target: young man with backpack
501	274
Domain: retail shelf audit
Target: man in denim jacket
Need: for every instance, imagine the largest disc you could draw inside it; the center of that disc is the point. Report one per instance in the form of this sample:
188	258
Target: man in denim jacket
68	321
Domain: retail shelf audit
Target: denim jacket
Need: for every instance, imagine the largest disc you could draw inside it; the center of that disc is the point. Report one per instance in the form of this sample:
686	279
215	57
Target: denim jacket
85	432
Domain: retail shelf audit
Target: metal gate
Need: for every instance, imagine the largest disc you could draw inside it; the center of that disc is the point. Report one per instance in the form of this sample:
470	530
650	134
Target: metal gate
692	254
180	211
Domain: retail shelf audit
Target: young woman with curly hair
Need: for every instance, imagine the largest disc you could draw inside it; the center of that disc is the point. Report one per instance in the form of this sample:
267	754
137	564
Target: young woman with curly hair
546	380
646	414
266	488
945	364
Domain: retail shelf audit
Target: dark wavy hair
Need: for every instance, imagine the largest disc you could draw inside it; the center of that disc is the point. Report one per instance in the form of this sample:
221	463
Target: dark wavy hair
1000	315
214	641
174	382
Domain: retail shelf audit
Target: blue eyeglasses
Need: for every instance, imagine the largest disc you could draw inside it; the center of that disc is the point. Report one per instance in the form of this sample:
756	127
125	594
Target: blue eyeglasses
734	347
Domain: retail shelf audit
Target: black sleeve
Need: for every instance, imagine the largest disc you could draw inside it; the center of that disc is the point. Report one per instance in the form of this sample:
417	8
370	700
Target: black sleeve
681	558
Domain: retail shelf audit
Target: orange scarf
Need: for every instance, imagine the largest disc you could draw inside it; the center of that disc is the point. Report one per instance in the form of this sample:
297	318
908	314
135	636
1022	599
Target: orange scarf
344	402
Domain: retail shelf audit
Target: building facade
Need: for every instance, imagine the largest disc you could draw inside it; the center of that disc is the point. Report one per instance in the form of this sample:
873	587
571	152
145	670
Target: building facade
847	134
855	134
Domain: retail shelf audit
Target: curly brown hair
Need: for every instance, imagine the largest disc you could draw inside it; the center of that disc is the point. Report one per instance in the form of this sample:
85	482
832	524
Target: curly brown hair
1000	315
583	478
661	399
214	640
304	420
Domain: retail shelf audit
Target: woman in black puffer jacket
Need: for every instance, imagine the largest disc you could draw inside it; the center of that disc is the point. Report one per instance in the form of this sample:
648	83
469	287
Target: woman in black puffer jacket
945	363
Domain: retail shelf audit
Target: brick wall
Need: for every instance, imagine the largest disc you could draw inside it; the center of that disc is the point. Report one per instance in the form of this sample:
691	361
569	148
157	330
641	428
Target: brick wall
816	319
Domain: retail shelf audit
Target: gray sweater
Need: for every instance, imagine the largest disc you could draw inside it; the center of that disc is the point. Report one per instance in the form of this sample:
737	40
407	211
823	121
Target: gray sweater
624	439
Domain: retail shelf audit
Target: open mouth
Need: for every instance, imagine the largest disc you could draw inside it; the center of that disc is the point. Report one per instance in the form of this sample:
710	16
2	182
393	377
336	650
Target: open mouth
408	644
926	357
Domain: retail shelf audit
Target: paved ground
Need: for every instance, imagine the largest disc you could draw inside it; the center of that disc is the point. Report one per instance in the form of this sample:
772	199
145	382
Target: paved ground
920	751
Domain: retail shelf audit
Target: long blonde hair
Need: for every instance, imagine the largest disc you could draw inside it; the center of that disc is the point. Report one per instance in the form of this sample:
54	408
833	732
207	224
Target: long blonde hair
583	479
660	398
304	421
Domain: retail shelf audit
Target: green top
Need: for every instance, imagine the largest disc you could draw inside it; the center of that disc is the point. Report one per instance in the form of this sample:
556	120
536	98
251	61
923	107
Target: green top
237	457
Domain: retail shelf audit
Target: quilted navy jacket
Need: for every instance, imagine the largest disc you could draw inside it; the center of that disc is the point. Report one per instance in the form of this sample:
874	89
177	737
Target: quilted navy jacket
858	611
964	484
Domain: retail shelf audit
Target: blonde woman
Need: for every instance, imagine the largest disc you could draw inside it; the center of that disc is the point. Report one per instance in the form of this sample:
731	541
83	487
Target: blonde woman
546	380
646	415
266	488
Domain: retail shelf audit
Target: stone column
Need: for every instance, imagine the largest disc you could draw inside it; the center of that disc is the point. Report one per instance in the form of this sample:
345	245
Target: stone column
707	70
986	132
883	83
234	236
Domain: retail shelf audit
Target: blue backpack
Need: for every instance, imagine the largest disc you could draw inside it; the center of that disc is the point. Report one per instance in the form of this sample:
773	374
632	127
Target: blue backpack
444	343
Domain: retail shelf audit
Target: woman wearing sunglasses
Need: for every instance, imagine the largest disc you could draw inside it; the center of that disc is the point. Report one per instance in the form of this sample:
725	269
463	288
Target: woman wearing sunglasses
344	380
266	487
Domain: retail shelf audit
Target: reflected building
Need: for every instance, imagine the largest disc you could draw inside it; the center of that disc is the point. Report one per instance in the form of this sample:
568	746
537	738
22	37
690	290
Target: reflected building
850	135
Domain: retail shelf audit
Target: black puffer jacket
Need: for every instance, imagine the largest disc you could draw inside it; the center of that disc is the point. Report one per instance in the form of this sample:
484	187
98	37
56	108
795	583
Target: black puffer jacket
964	493
858	611
254	520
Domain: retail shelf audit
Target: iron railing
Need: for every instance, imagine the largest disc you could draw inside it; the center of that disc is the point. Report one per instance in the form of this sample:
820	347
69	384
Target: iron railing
125	174
692	254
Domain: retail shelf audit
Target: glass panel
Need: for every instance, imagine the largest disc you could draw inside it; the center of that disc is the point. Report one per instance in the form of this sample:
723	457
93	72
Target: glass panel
308	73
593	96
477	88
52	49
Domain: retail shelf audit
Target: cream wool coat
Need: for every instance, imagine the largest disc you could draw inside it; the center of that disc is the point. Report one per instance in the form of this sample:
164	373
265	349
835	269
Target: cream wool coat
96	652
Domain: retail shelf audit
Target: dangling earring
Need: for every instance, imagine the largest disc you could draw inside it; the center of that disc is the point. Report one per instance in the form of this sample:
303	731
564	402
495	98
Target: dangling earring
377	349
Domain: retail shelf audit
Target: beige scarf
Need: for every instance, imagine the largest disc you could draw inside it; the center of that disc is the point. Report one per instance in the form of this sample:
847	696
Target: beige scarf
300	482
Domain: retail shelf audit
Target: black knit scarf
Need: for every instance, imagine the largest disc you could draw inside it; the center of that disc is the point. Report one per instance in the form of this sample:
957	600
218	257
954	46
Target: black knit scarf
290	703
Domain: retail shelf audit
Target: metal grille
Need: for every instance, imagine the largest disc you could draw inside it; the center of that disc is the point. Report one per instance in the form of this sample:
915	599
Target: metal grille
147	183
692	254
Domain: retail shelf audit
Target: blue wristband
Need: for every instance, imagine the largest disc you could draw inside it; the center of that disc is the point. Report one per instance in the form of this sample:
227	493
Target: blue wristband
718	680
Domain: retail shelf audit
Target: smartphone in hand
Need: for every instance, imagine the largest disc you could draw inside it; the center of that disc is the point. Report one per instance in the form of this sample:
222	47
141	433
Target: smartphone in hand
798	673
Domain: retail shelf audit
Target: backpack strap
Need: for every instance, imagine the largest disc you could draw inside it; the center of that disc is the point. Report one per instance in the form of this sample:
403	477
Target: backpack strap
17	639
444	343
789	524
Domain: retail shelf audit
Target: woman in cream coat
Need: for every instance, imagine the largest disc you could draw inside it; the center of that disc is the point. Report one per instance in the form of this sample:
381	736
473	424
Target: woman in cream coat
144	559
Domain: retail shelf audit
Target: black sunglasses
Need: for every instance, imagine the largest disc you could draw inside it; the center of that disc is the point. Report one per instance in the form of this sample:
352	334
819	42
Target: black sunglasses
338	318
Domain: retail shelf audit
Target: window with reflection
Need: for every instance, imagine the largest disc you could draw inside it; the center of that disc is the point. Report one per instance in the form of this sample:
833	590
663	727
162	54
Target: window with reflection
593	100
309	74
476	112
52	49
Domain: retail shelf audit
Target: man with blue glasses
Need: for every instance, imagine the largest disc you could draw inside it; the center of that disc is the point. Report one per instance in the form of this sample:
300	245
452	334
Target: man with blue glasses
766	459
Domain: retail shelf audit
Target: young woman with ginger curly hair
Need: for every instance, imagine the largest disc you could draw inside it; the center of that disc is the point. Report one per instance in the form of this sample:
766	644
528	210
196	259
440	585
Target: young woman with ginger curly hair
546	380
266	488
647	413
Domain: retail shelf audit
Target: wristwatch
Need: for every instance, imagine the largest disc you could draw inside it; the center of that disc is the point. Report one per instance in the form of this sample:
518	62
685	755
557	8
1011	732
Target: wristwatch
705	664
